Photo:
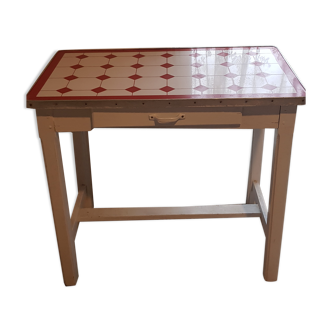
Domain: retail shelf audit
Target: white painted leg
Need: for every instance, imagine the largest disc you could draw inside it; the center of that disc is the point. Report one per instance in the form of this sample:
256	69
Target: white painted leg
256	158
280	168
51	144
83	165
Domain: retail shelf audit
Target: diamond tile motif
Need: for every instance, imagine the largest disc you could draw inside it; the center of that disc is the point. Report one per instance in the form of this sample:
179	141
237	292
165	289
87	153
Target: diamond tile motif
135	77
171	73
195	55
166	89
107	66
133	89
110	56
64	90
231	75
201	88
167	76
199	76
235	87
257	63
103	77
137	65
223	54
167	65
99	89
76	67
70	78
269	87
227	64
167	55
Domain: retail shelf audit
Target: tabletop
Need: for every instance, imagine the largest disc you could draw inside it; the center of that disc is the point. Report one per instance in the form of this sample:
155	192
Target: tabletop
168	73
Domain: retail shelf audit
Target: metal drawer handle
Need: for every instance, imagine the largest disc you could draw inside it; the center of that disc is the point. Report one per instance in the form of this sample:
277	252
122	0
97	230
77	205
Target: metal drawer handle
160	120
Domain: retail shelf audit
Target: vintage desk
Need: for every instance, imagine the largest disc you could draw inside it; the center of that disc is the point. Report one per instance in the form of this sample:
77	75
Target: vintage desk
220	87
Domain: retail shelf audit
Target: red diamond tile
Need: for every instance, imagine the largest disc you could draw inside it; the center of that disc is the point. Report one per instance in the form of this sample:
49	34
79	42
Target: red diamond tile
70	78
227	64
201	88
167	76
223	54
103	77
235	87
166	65
166	89
195	55
231	75
138	56
76	67
257	63
135	77
82	56
110	56
198	75
196	64
107	66
137	65
64	90
133	89
269	87
263	74
166	55
99	89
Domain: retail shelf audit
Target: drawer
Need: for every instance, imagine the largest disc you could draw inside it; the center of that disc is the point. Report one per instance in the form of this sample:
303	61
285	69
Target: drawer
169	120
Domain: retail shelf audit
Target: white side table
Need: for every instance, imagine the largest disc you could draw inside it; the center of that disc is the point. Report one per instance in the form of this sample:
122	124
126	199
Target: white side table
166	87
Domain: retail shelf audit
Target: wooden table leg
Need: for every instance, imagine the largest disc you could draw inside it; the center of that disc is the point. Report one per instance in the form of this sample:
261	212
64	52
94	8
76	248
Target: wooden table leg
278	191
57	188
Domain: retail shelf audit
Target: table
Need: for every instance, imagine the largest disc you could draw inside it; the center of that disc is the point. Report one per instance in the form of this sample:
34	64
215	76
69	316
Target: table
209	87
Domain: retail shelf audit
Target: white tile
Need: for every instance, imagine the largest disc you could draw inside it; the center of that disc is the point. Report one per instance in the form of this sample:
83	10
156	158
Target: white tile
150	93
271	69
184	92
97	54
84	84
183	82
182	71
150	83
89	72
120	71
114	92
151	71
55	84
284	90
117	83
124	54
94	61
255	90
281	81
250	81
123	61
152	60
245	69
182	60
49	94
61	72
67	62
211	70
81	93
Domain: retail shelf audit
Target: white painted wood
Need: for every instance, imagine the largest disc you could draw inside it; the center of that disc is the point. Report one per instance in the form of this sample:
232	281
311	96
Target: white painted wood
278	191
58	194
155	213
81	196
259	199
255	161
83	165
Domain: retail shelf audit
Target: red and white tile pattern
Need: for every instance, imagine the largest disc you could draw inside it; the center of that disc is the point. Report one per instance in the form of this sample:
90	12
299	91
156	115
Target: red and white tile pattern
195	72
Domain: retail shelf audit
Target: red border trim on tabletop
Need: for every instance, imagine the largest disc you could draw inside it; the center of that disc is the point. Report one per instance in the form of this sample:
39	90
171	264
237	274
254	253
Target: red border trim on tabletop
32	94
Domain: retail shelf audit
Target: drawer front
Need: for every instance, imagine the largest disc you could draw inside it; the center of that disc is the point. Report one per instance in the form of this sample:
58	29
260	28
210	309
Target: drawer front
169	120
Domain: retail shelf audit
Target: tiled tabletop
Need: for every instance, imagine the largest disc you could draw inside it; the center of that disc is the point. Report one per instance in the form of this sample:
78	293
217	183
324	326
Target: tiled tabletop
238	72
